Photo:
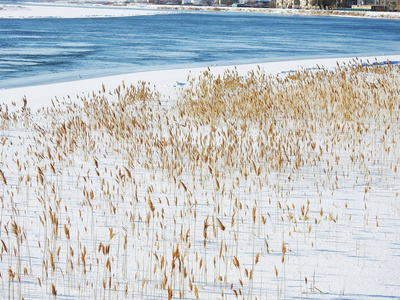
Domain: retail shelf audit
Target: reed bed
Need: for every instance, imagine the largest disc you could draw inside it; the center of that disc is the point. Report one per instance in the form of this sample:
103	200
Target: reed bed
249	187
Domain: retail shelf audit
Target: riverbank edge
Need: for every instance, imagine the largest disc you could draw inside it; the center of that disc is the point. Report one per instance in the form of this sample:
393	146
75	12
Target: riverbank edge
169	83
192	8
282	11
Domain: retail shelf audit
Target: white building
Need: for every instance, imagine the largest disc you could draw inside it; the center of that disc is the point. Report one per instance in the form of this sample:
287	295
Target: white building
296	3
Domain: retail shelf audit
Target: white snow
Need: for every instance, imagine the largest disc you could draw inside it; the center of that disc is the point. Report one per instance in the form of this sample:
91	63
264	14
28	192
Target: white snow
86	9
69	193
167	82
11	11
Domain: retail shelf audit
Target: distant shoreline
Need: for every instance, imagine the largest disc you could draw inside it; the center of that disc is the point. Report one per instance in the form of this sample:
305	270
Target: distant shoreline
24	10
282	11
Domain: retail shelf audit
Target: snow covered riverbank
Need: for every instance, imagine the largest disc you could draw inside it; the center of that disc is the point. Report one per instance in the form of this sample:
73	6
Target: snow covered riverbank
88	9
168	82
51	10
243	184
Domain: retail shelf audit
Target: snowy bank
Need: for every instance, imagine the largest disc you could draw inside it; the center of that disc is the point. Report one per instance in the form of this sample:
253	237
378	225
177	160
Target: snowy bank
288	12
8	11
167	82
88	9
251	185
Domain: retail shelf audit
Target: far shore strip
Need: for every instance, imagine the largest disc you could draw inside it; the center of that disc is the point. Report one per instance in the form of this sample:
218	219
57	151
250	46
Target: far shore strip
168	82
91	9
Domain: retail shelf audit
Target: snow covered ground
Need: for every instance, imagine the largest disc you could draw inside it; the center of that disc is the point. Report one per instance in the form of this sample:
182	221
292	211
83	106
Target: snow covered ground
289	12
82	9
91	9
51	10
259	182
168	82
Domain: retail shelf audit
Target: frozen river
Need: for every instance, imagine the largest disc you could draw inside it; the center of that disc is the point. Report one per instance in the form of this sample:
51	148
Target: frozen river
51	50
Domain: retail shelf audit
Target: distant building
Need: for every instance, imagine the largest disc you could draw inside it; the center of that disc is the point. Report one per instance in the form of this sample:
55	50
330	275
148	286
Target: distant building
264	3
377	4
312	4
224	2
206	2
350	3
287	3
297	4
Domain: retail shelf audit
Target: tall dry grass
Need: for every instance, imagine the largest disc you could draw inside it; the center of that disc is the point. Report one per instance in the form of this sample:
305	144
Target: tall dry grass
193	200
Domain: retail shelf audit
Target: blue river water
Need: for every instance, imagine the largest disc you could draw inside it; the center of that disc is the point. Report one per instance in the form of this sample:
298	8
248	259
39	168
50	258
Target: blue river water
37	51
